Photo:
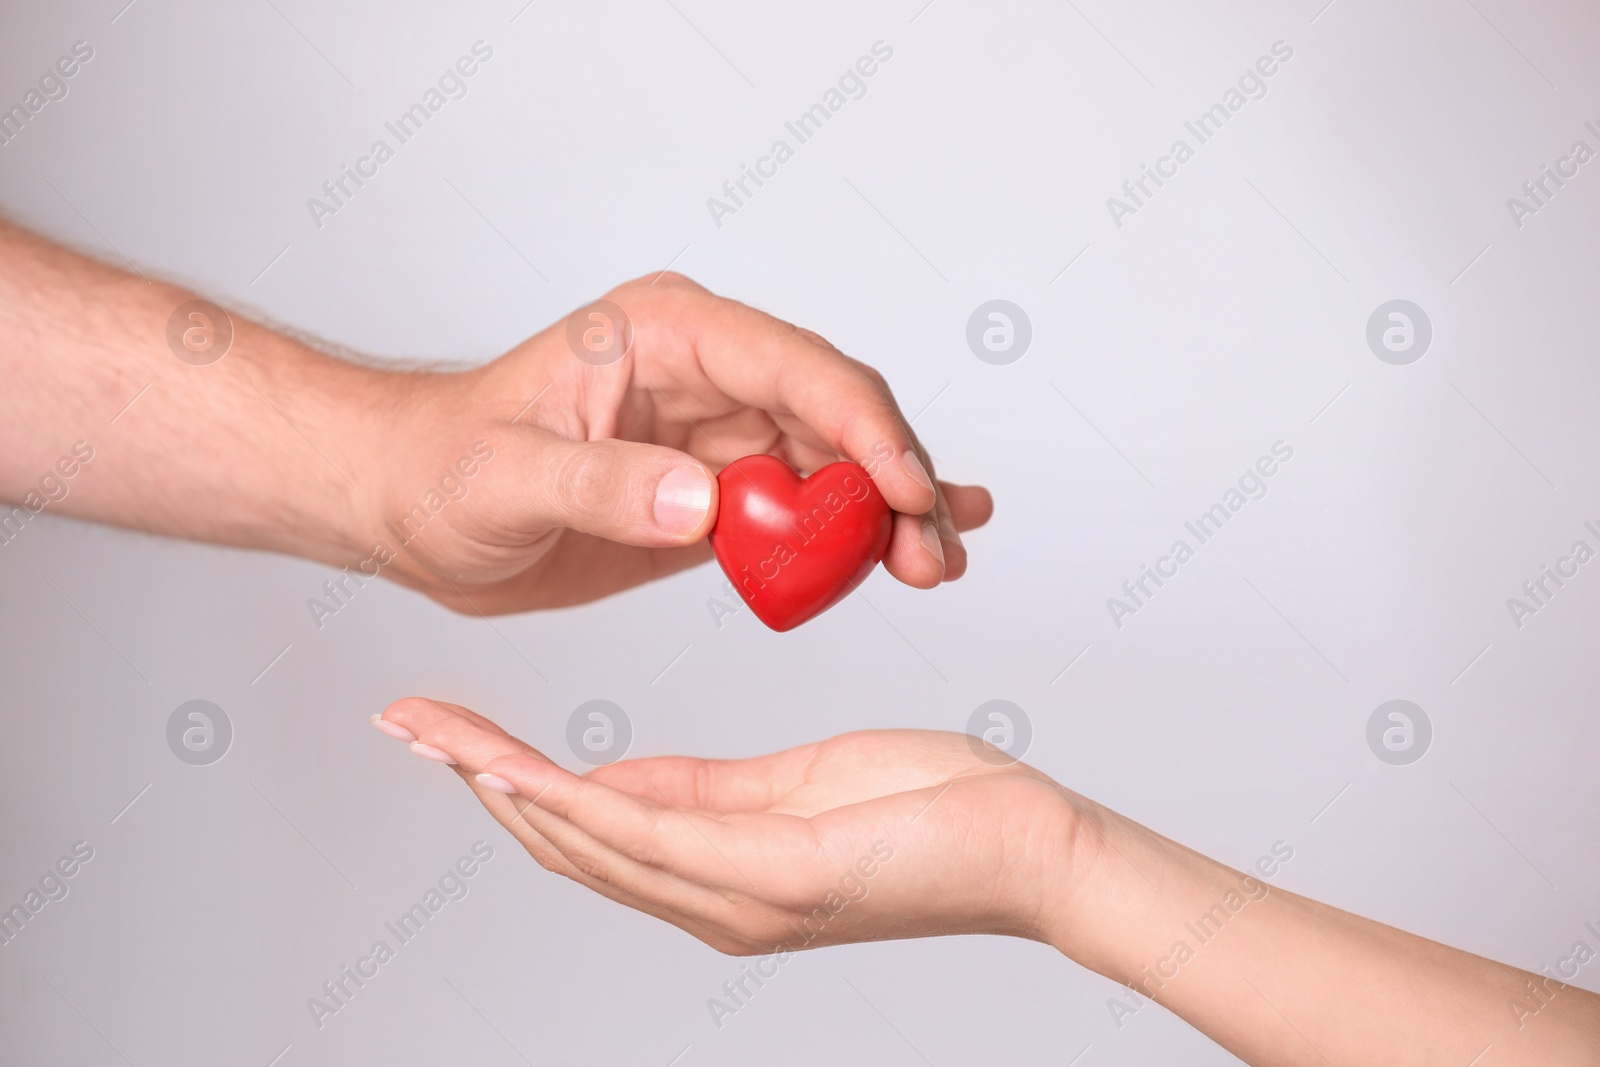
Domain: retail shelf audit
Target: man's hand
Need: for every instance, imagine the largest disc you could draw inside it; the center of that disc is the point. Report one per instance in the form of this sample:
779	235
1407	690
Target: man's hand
602	474
537	480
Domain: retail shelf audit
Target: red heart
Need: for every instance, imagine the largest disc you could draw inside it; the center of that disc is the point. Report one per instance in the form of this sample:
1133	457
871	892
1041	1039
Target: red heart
794	548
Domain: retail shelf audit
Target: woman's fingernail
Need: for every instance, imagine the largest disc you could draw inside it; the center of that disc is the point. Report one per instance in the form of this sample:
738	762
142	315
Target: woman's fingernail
495	782
682	498
393	729
913	466
930	541
429	752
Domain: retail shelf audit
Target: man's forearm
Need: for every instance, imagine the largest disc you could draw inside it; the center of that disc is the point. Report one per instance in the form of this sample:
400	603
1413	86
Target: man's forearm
260	448
1280	979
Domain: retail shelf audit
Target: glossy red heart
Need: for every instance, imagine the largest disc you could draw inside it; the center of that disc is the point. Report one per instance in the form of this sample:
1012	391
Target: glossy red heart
794	547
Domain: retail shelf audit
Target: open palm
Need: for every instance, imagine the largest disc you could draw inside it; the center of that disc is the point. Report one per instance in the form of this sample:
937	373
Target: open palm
867	836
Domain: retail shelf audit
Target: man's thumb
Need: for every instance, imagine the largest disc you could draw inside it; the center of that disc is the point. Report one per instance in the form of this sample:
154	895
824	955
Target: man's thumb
624	491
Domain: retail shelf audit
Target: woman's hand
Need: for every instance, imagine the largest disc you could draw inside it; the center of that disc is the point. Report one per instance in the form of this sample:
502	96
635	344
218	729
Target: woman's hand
865	837
602	468
907	833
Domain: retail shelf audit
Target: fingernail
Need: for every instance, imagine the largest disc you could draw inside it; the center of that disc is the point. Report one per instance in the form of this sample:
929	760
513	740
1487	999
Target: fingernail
913	466
393	729
682	499
930	541
429	752
495	782
947	530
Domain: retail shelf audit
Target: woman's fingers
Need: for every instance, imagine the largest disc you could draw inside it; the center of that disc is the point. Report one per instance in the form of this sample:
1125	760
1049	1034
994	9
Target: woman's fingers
742	877
633	828
652	832
453	730
410	712
477	748
655	896
439	731
449	733
507	811
712	785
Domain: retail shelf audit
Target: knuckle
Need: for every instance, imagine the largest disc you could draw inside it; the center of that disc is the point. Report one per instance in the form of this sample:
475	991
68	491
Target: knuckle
592	867
736	945
817	339
771	929
585	481
645	848
726	943
546	858
751	934
868	371
669	285
760	923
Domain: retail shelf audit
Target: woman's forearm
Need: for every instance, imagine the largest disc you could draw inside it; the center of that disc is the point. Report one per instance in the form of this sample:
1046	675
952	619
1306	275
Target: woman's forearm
1279	979
100	419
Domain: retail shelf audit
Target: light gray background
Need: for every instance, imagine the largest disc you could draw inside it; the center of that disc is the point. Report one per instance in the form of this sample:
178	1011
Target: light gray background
1228	314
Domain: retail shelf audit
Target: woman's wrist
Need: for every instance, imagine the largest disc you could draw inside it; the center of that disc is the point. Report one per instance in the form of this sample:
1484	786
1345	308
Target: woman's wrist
1085	878
1132	895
